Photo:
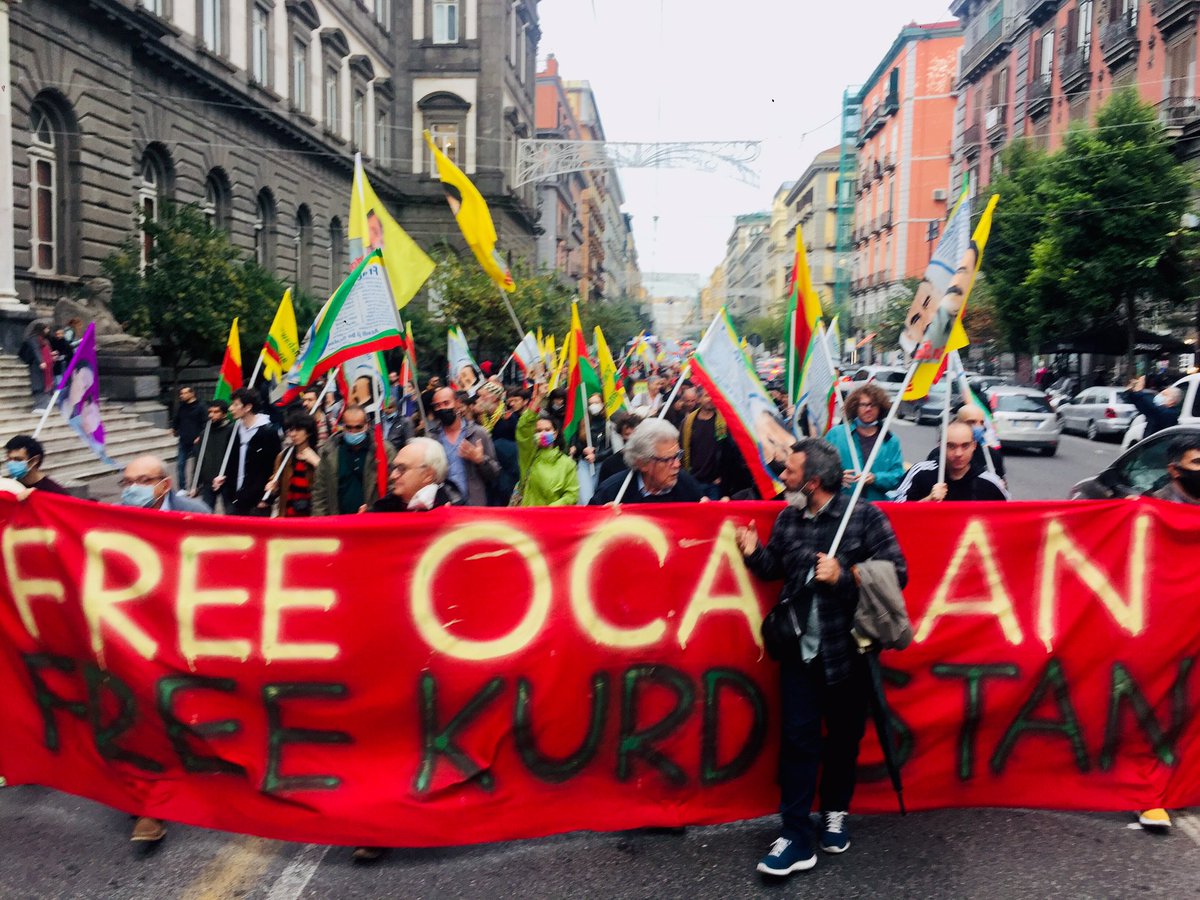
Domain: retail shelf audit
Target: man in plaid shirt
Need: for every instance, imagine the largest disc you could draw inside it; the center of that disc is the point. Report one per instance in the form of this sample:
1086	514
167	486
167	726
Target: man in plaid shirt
826	679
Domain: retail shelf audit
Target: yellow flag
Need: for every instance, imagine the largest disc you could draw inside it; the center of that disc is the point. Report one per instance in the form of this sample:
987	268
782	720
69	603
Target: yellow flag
372	226
562	360
928	372
614	391
283	341
474	219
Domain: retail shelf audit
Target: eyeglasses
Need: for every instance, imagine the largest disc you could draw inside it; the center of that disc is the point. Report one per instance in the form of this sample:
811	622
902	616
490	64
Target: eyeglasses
143	480
401	468
674	458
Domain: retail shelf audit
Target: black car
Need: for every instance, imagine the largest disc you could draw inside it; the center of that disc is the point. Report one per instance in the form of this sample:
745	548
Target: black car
1139	470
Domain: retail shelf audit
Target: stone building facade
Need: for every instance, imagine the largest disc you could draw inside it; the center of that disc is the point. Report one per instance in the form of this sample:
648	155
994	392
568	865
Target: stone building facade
254	109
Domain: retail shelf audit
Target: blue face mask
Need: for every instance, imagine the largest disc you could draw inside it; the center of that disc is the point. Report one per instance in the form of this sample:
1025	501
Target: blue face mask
980	433
859	423
16	468
141	495
354	438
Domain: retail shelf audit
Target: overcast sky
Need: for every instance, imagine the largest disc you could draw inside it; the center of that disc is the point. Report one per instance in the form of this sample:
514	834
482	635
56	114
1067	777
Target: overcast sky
677	70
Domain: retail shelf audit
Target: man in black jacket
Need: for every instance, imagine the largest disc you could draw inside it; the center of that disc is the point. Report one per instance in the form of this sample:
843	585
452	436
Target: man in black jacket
417	479
824	680
1161	410
656	460
188	426
252	460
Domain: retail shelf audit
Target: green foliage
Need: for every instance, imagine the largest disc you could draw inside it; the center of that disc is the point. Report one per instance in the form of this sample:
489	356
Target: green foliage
769	329
193	285
889	321
1082	236
465	296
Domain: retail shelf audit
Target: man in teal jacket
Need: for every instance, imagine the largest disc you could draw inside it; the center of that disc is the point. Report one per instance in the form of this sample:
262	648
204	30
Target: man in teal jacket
866	408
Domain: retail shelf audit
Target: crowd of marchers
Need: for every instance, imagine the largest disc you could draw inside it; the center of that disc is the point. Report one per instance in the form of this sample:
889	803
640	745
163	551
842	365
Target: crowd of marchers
504	446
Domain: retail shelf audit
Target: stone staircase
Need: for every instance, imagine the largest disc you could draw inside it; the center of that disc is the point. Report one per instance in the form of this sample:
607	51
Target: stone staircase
68	459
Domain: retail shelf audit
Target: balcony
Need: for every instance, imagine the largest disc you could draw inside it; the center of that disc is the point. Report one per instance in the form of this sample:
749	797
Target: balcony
972	138
1074	69
1038	11
986	49
871	124
886	220
1039	97
1119	39
1177	113
996	123
1174	15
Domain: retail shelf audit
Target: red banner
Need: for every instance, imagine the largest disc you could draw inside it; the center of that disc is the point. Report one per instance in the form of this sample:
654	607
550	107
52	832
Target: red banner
476	675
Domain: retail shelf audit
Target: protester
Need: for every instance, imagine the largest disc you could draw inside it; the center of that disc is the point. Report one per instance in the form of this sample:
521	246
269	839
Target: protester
965	479
1183	470
649	403
489	405
146	484
24	464
866	408
686	402
825	682
431	387
416	483
250	464
346	479
61	349
622	426
652	453
220	432
293	486
504	439
591	447
309	398
188	426
469	449
704	437
556	404
1161	410
548	475
972	415
37	354
397	427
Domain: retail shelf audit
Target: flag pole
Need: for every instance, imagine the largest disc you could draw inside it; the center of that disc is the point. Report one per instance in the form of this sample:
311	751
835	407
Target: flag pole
792	380
683	373
879	441
200	459
46	412
587	426
513	313
837	388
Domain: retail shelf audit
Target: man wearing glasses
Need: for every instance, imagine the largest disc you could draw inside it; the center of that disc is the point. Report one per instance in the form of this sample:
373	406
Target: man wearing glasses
417	479
654	456
146	484
346	479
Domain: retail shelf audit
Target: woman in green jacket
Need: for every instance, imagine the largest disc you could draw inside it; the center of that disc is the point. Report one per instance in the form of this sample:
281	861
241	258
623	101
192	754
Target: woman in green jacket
548	475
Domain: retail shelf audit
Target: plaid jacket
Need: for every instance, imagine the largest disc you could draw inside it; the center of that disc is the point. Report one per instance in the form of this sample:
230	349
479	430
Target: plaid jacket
791	554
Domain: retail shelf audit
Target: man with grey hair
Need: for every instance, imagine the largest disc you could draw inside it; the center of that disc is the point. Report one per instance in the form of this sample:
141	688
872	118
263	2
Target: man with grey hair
825	681
1161	410
417	479
655	463
146	483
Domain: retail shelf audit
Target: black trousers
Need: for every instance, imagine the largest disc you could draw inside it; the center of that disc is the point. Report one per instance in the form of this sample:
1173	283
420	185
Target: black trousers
822	725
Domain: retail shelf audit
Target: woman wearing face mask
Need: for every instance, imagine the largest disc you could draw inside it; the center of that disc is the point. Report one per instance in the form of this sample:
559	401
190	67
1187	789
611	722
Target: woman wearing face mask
590	456
548	476
866	408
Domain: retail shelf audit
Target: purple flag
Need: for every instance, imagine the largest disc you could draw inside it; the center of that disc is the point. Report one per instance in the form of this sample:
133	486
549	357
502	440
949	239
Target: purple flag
79	394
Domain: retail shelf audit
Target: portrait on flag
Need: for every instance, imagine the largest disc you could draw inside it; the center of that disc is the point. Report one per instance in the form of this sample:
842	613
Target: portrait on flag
79	394
924	329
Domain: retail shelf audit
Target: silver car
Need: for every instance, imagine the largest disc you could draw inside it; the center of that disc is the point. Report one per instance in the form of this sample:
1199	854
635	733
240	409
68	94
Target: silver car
889	378
1097	412
1024	420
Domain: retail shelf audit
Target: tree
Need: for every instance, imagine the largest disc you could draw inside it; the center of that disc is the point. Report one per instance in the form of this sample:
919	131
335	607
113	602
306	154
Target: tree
889	321
1093	225
193	284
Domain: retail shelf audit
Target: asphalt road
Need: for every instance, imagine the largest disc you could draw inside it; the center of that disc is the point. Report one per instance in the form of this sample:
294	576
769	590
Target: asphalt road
56	846
1030	475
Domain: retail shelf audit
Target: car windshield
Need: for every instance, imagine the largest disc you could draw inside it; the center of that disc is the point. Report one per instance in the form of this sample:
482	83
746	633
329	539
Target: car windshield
1146	468
1022	403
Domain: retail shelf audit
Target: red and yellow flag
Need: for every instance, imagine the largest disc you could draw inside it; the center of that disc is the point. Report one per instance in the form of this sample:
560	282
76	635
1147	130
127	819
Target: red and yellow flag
230	378
804	309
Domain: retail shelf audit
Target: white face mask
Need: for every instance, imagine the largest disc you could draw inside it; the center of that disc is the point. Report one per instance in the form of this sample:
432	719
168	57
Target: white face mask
595	408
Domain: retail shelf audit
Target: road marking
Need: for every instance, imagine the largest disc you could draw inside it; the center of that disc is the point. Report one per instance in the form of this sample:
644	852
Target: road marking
1190	827
235	869
295	877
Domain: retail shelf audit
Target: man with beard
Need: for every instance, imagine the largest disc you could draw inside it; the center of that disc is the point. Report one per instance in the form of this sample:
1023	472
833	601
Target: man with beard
825	681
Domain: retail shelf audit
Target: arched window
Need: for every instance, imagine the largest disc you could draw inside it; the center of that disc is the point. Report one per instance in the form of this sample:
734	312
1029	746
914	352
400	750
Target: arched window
264	229
152	187
304	239
217	200
444	115
337	253
44	165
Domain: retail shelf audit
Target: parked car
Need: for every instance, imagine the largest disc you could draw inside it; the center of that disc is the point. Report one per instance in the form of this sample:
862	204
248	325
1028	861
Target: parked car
928	410
1024	420
1189	412
1097	412
981	384
889	378
1139	470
